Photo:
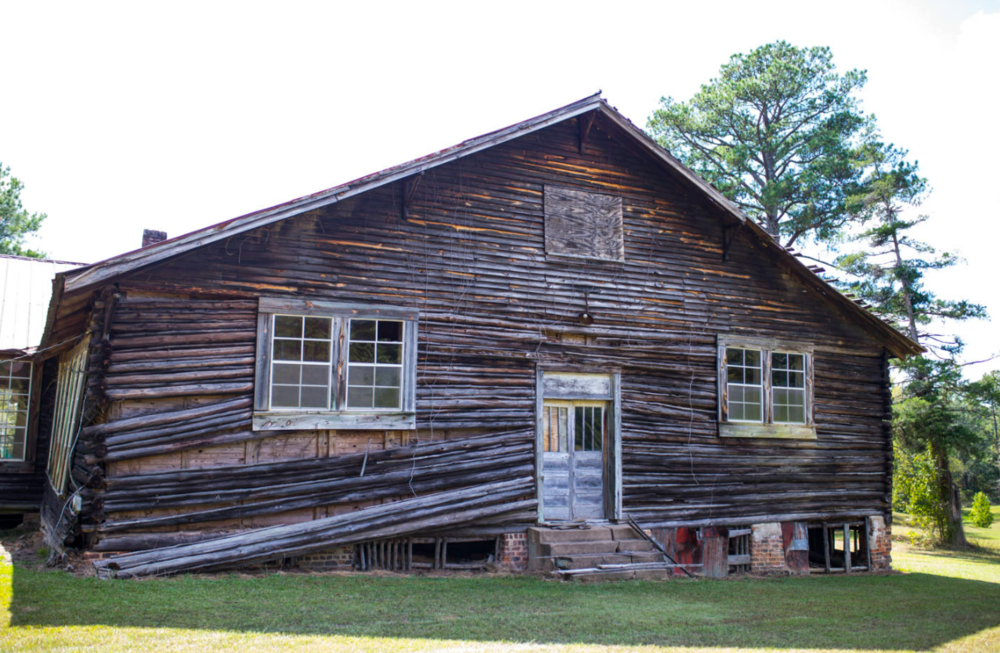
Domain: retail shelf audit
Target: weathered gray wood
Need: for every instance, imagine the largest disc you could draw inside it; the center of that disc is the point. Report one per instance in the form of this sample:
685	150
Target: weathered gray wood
568	385
779	431
295	421
583	224
294	306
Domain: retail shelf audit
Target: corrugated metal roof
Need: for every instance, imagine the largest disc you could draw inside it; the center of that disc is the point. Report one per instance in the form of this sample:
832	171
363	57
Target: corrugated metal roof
25	290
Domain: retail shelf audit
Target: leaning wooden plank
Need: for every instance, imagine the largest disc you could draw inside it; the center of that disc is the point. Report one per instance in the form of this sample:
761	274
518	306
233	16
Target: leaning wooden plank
409	516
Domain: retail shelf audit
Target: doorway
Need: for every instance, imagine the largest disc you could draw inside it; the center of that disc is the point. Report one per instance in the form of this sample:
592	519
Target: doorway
574	439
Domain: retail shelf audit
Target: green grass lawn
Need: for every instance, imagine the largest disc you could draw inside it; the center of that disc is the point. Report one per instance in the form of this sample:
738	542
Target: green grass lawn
944	601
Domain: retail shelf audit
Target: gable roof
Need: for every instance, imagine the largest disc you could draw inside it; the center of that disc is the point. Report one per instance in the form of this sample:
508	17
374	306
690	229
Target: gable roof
102	272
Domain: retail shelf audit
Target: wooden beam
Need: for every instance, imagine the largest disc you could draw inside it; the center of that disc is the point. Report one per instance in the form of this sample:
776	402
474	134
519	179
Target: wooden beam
586	122
409	188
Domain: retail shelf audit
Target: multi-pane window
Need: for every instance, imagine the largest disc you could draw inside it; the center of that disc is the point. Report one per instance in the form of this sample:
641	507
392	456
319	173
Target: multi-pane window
744	380
555	429
328	365
589	431
765	388
15	393
301	362
788	388
573	424
375	364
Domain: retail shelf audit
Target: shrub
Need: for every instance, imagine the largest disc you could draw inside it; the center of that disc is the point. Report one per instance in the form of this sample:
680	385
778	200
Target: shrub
982	516
916	490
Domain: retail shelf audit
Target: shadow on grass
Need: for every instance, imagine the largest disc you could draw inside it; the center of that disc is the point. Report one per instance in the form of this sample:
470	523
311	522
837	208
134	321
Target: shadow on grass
912	611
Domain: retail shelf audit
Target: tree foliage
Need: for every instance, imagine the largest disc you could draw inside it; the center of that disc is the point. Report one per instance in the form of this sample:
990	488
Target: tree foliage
15	222
890	265
981	514
776	133
915	490
888	268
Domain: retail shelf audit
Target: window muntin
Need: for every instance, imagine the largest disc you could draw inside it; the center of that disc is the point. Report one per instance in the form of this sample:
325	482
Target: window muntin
555	429
301	362
744	377
375	364
15	396
589	431
788	388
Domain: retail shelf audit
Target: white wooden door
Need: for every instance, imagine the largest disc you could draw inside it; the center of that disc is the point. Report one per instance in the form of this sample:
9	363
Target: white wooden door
574	434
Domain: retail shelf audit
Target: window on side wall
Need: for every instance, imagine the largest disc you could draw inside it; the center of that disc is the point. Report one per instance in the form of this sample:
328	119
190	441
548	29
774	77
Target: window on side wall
323	365
765	389
15	400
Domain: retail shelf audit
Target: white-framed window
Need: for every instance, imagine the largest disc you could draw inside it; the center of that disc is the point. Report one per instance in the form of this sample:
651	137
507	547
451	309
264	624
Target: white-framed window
745	381
325	365
765	388
301	370
788	387
375	364
15	401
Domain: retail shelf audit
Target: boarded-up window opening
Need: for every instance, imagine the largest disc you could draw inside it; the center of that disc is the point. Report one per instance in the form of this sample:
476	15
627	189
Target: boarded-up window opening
70	384
582	224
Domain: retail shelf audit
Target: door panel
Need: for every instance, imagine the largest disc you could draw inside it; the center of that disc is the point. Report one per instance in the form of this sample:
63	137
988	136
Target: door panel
556	463
573	437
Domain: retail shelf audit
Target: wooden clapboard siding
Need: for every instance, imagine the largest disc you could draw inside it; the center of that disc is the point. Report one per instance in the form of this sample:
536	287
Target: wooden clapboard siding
469	254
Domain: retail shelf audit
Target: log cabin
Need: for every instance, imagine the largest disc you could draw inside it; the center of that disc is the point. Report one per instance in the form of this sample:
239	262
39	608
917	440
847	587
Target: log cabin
551	347
25	290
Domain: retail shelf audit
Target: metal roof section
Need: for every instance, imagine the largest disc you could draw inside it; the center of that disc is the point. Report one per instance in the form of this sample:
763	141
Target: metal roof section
104	271
25	290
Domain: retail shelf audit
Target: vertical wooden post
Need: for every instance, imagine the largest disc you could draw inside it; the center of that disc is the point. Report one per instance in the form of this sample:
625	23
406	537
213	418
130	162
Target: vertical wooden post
847	548
826	545
868	544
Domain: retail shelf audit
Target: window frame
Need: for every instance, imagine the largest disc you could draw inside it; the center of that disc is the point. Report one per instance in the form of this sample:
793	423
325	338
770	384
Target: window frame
26	464
766	427
338	415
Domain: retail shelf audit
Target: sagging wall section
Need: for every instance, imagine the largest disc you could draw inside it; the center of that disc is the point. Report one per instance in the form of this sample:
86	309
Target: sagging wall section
469	254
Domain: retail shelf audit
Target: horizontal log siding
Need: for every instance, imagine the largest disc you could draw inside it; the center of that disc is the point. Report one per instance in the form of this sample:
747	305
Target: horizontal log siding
471	258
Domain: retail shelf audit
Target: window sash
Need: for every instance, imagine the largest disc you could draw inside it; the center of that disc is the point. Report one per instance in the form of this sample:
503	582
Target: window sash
786	386
745	387
337	413
375	366
15	410
301	363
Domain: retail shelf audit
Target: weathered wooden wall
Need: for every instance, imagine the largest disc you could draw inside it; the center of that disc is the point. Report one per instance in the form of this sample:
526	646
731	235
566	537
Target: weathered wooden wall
470	256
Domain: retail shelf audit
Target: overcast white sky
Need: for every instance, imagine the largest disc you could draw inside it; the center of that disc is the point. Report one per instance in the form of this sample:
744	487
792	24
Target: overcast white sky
124	116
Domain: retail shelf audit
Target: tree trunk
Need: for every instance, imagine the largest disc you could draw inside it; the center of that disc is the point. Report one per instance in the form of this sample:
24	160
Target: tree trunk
907	292
952	533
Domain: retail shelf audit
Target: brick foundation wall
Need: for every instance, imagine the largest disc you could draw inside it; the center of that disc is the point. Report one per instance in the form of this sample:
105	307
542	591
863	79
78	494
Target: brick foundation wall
338	559
881	543
767	551
513	552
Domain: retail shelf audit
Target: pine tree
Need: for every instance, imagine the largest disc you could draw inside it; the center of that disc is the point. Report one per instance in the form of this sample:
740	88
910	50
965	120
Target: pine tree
889	273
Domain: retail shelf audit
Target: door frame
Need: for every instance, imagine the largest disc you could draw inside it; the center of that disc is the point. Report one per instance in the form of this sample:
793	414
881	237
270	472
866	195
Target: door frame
559	385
